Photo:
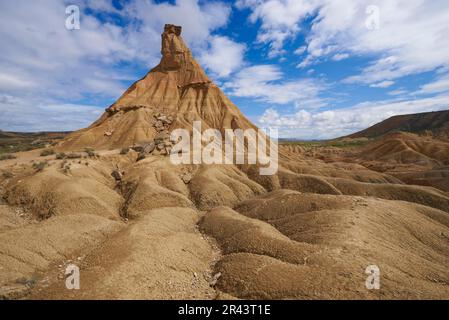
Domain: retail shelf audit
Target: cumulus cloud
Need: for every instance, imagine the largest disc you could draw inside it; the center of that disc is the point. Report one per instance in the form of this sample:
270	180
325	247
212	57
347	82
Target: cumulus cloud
407	37
306	124
280	20
265	83
43	63
223	56
17	115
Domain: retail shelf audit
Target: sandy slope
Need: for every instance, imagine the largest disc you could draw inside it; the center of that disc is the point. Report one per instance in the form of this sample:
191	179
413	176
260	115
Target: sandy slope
314	242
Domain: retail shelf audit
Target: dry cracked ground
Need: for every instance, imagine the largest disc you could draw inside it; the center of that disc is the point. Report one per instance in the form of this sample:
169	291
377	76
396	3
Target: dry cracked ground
162	231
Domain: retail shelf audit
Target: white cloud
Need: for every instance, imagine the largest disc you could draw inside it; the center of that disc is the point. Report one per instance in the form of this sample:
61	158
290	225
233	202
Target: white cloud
280	20
383	84
265	83
339	122
224	56
441	84
300	50
411	38
340	56
398	92
198	21
11	81
44	63
17	115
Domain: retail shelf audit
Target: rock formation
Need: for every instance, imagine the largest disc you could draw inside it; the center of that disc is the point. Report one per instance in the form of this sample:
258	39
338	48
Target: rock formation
178	90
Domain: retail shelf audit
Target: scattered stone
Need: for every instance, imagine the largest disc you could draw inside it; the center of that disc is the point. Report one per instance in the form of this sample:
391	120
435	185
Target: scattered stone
144	147
148	148
117	175
162	136
186	177
215	278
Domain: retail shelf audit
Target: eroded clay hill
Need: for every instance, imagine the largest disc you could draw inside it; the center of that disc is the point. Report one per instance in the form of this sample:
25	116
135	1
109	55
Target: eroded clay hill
436	123
142	227
411	158
177	88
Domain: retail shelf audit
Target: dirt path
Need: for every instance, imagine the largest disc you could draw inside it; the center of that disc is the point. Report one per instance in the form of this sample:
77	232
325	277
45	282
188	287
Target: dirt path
159	256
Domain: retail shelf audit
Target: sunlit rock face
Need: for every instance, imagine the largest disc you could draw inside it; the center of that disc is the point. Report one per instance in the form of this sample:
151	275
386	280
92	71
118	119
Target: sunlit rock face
177	87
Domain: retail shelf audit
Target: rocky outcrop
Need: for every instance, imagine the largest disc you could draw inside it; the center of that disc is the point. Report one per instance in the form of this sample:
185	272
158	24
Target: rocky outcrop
177	87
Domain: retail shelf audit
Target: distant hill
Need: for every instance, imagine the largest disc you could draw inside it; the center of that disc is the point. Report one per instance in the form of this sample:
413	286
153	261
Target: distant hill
436	122
23	141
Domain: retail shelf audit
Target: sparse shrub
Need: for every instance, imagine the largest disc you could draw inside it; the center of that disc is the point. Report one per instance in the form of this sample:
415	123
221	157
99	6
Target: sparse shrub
74	156
124	151
90	152
141	156
7	175
7	156
61	156
39	166
47	152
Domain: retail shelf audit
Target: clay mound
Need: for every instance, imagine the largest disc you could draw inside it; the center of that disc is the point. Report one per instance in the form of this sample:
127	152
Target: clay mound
215	185
408	242
53	192
351	171
162	257
413	159
236	233
418	194
27	252
435	122
437	178
407	148
153	183
156	183
177	88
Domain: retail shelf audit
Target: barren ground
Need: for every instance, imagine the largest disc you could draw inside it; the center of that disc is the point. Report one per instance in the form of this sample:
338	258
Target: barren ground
309	232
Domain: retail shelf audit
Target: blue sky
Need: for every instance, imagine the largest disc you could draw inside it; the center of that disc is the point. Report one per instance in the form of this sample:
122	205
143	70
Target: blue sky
315	69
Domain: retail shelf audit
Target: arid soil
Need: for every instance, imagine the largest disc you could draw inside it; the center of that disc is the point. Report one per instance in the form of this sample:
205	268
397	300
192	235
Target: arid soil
140	227
309	232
